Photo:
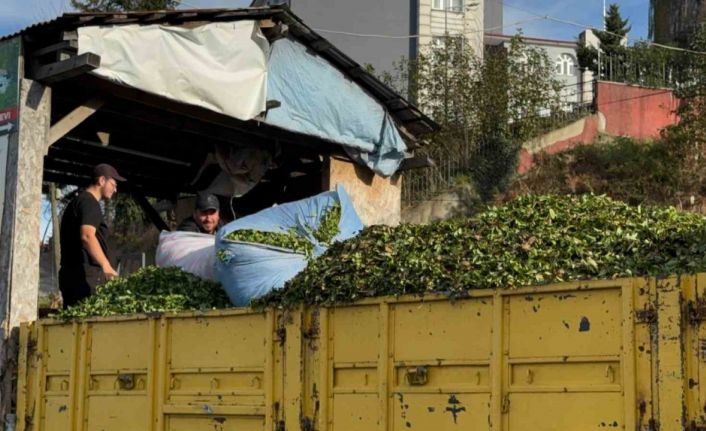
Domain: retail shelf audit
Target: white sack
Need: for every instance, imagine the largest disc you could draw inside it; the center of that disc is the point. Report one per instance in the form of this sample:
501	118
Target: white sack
220	66
191	251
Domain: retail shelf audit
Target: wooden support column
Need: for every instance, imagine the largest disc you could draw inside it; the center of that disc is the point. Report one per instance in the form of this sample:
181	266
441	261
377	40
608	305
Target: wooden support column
19	242
377	200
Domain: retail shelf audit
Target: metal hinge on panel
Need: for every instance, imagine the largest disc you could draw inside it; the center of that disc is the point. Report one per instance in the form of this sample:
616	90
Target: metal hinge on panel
306	424
505	408
696	311
646	315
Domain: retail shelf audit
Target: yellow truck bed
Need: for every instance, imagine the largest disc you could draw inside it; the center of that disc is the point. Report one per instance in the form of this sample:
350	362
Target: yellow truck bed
599	355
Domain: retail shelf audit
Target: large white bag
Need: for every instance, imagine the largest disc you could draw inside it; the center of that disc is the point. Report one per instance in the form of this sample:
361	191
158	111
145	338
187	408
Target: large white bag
191	251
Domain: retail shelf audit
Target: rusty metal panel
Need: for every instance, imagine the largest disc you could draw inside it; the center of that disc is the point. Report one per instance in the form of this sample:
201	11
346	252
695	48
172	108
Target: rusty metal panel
621	354
564	354
670	355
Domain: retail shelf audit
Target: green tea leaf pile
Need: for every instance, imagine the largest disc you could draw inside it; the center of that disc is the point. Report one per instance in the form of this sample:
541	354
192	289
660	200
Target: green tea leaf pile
150	289
532	240
292	239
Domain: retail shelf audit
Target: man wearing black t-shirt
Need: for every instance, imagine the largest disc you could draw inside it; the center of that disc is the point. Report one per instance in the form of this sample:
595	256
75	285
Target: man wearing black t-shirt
85	247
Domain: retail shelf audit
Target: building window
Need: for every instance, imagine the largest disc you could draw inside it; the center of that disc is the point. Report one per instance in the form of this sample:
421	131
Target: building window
451	5
565	65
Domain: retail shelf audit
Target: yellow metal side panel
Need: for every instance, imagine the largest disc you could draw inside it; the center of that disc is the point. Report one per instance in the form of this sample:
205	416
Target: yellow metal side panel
118	413
217	364
355	331
699	355
278	371
116	381
355	412
121	345
628	355
566	411
214	423
428	411
23	370
57	344
218	341
644	300
28	371
692	292
293	369
441	329
670	372
572	323
565	359
441	352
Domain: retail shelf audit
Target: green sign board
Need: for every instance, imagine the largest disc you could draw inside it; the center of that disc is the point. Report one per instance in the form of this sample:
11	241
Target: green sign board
9	83
9	105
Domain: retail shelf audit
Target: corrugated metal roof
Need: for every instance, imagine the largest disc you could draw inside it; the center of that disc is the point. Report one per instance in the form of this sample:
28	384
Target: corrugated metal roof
404	112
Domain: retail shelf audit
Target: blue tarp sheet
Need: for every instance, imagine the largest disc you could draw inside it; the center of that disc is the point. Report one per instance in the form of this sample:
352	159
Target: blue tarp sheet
248	270
317	99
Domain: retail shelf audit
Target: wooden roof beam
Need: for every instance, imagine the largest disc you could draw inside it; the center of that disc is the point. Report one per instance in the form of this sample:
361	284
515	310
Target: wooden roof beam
73	119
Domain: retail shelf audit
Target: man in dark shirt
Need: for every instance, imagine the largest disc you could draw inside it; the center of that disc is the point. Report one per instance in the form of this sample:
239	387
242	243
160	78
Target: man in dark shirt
206	217
85	247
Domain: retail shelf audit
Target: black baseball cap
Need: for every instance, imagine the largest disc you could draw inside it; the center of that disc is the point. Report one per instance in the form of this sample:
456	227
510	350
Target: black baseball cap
105	170
206	201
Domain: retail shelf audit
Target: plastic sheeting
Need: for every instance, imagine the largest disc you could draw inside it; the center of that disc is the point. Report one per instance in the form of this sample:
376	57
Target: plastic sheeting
248	270
317	99
220	66
191	251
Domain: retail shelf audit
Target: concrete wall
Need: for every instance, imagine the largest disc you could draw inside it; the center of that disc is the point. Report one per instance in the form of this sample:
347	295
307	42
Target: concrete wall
390	17
377	200
583	131
634	111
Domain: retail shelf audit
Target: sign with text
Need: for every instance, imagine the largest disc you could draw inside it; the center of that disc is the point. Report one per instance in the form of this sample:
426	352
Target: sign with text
9	105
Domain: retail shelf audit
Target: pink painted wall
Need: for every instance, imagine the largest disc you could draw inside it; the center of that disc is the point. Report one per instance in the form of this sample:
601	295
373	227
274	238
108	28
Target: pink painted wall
629	110
638	112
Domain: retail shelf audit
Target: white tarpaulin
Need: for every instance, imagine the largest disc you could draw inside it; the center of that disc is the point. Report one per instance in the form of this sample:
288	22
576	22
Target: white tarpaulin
220	66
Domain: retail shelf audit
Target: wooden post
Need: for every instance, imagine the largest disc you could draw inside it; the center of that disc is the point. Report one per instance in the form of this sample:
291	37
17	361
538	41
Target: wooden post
19	241
55	229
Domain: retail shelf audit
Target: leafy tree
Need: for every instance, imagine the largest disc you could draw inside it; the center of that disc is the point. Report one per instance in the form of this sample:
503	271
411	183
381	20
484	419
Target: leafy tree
123	5
487	107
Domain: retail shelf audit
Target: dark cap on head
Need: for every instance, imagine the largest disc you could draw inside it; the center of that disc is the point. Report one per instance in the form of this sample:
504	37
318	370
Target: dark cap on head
105	170
206	201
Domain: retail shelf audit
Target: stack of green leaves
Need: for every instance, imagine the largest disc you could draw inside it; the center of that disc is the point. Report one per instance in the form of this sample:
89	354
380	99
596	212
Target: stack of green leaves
149	290
328	228
532	240
290	240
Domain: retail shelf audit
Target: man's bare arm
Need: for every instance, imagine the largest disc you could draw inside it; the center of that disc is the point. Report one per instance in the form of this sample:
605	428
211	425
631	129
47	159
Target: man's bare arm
90	242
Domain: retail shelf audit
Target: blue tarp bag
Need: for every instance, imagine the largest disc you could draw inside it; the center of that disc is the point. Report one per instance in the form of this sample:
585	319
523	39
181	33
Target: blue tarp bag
248	270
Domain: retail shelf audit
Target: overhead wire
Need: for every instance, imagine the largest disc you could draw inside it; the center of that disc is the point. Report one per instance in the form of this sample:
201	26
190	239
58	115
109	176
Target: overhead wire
584	26
414	36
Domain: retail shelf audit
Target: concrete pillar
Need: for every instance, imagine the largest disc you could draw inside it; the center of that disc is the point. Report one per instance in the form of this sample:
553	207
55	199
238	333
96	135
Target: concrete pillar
377	200
19	242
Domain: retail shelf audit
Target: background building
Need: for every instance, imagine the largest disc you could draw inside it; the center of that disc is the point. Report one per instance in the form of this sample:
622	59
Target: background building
674	20
566	68
380	33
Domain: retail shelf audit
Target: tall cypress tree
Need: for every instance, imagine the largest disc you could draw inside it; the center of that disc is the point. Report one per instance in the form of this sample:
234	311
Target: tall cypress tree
616	28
